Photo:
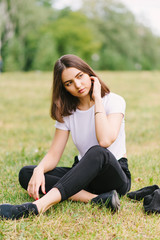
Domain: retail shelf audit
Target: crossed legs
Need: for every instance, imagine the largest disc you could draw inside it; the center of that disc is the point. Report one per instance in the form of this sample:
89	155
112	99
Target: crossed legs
96	173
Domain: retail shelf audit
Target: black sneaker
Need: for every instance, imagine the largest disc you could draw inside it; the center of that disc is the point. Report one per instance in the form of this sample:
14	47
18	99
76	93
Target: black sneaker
141	193
109	200
8	211
151	203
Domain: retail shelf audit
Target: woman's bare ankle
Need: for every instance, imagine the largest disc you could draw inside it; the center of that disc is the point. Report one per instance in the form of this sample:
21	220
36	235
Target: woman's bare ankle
39	207
51	198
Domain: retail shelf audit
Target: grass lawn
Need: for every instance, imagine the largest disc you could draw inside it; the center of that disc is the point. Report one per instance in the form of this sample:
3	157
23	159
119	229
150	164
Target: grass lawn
26	131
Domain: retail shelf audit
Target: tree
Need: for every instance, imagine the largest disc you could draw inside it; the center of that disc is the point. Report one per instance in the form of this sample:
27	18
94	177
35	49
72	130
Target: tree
72	34
103	32
23	19
123	46
46	53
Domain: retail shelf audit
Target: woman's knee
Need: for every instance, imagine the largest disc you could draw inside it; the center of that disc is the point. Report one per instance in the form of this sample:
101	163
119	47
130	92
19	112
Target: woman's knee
96	153
101	155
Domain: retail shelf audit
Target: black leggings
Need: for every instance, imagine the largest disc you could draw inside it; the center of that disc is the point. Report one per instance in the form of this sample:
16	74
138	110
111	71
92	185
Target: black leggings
97	172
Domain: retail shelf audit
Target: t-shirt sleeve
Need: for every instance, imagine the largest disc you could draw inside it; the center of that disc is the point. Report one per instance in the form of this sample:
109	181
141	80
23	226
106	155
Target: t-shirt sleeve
115	104
62	126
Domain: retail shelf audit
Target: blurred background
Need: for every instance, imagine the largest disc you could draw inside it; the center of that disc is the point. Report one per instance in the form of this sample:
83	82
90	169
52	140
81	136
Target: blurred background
108	34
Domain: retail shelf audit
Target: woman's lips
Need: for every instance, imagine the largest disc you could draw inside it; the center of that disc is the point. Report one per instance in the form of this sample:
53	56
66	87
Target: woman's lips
81	90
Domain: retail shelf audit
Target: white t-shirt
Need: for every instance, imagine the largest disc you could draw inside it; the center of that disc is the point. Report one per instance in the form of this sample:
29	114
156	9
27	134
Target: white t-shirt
81	124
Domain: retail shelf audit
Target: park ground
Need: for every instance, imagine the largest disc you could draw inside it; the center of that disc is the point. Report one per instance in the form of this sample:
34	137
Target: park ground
26	132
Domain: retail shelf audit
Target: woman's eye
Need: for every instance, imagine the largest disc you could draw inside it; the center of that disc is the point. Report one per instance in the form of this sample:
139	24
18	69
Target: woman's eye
80	75
68	84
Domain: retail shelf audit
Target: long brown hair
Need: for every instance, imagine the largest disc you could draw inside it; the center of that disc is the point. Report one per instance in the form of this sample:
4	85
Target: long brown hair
63	103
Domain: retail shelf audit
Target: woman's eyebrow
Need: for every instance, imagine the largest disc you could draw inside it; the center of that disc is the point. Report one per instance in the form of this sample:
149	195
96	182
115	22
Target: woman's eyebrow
75	77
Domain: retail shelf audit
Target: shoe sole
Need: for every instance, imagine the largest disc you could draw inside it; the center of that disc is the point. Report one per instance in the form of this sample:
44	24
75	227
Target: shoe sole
115	201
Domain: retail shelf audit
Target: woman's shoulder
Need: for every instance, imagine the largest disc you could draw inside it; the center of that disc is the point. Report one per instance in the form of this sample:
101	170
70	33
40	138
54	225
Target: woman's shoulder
111	97
114	103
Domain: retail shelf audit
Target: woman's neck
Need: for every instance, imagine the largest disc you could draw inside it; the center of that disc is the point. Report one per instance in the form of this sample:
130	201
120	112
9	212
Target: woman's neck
85	103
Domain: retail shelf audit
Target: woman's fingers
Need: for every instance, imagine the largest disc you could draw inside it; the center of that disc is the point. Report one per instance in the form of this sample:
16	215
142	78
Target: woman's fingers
29	190
33	191
43	186
96	87
37	180
36	193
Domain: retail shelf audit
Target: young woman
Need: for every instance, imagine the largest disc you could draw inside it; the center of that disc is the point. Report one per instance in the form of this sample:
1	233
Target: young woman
83	106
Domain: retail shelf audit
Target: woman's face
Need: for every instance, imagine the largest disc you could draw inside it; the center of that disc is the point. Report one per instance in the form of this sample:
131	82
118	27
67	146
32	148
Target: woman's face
76	82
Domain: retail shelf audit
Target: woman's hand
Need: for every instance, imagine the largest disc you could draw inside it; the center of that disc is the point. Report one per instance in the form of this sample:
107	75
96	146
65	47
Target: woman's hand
48	163
96	93
35	182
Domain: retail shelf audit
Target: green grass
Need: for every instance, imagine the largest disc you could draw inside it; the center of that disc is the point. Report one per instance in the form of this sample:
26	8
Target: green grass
26	131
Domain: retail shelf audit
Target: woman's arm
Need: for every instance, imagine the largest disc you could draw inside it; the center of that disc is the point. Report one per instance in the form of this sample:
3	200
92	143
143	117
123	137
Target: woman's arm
107	126
49	162
51	159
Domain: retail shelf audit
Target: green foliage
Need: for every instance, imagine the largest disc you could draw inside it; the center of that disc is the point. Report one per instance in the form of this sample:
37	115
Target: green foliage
22	19
14	56
46	53
73	35
126	45
45	3
104	33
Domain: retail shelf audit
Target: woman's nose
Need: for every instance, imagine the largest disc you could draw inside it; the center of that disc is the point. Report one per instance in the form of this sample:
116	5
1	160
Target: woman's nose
77	83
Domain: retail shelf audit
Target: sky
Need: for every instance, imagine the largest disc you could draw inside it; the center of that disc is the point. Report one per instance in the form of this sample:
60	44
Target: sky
146	11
